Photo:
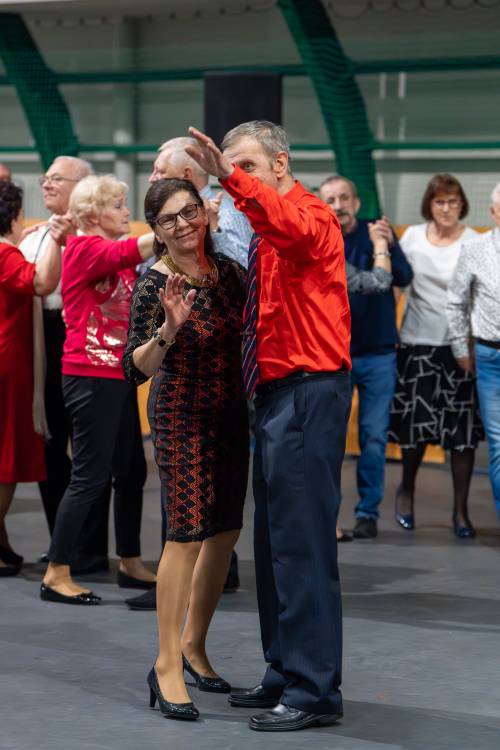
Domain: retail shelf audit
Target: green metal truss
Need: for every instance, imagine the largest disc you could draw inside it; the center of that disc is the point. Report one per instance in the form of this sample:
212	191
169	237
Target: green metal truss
36	86
340	99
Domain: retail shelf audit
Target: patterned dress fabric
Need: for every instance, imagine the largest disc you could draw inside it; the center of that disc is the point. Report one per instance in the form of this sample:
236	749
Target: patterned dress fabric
197	409
435	400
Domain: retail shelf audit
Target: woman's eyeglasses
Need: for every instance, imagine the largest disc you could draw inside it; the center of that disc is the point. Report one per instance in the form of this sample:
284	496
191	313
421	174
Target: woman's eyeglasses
451	202
168	221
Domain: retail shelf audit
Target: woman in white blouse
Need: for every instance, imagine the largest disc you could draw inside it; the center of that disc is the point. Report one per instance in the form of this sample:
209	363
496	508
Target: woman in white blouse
435	400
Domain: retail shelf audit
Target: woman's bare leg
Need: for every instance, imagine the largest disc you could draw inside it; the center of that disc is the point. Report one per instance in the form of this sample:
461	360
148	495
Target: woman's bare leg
58	577
208	582
173	590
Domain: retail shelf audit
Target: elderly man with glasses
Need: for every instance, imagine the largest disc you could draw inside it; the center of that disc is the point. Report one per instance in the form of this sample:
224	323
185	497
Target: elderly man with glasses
57	185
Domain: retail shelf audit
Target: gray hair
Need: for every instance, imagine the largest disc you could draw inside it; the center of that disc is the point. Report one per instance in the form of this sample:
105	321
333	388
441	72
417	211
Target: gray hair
495	195
271	137
81	167
341	178
178	156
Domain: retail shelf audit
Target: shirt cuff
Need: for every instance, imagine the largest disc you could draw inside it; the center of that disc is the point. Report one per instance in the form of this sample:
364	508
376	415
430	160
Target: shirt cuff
460	348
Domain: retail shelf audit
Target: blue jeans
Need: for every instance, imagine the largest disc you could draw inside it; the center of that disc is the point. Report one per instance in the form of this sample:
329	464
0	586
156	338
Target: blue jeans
488	389
375	377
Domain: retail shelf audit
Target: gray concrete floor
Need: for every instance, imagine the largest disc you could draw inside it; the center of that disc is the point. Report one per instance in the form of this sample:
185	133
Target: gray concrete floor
421	628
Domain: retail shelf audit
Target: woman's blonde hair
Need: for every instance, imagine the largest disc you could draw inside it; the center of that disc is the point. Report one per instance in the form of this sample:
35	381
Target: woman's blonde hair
92	194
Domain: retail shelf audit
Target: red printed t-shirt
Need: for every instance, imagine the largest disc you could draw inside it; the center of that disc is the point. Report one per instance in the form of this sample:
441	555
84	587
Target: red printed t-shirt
97	280
303	320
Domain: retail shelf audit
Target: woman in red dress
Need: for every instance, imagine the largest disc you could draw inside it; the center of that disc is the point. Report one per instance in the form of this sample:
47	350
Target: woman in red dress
21	424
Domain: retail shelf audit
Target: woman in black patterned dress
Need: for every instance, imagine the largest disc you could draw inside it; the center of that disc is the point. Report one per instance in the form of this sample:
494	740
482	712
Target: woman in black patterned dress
185	331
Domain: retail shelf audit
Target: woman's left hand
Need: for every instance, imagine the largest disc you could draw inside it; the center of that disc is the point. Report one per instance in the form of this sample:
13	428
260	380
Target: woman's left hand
177	307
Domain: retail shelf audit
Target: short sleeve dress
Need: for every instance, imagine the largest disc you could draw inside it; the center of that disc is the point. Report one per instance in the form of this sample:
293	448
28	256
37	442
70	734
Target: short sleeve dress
197	408
21	448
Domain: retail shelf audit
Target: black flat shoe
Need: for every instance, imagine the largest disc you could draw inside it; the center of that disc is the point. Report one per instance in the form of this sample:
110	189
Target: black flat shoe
466	531
144	602
345	537
50	595
207	684
9	571
129	582
288	719
255	697
9	557
365	528
183	711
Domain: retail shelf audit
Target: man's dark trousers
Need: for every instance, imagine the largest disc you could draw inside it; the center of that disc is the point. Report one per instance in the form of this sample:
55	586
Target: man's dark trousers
300	441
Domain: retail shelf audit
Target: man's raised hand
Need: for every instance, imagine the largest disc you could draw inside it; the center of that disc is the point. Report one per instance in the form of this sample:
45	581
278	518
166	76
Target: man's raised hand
208	156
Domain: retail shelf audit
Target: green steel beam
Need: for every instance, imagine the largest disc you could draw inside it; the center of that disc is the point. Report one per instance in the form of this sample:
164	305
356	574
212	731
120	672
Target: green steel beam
339	97
36	86
369	67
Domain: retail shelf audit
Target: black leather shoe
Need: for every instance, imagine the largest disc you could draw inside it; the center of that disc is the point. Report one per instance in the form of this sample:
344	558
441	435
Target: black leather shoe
143	602
183	711
463	531
50	595
288	719
9	557
9	571
344	538
207	684
405	520
129	582
365	528
255	697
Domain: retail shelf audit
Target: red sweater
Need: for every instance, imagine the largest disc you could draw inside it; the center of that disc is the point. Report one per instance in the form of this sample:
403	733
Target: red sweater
303	318
97	280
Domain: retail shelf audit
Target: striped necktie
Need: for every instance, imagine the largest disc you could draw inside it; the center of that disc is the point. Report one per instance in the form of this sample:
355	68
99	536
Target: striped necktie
249	348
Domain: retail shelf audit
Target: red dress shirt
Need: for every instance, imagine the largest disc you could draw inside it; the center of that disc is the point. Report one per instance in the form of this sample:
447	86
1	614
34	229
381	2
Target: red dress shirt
303	319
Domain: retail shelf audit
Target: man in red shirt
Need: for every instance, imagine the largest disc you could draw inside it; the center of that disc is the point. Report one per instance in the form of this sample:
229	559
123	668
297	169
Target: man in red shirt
296	359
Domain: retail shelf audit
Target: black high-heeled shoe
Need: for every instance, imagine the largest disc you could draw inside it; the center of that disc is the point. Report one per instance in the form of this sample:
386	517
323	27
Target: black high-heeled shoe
405	520
463	531
207	684
184	711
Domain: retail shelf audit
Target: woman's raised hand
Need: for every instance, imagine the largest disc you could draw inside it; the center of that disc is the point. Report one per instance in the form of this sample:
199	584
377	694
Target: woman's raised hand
177	307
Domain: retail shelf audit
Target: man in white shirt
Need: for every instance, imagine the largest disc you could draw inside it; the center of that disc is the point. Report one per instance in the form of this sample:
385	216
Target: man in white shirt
57	185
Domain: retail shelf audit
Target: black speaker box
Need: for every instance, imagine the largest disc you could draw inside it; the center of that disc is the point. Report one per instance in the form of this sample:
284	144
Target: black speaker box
233	98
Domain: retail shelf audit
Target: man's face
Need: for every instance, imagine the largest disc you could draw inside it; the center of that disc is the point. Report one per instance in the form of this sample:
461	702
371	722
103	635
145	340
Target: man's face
163	169
339	196
57	185
248	154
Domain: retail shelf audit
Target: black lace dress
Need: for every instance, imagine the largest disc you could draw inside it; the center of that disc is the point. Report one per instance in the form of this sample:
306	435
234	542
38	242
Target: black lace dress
197	408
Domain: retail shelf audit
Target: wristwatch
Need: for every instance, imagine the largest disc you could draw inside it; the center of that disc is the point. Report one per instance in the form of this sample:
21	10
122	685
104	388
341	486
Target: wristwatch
161	341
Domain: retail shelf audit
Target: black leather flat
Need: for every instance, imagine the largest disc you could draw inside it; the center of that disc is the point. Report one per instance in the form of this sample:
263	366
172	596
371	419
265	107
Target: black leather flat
142	602
207	684
9	557
9	571
183	711
256	697
129	582
50	595
288	719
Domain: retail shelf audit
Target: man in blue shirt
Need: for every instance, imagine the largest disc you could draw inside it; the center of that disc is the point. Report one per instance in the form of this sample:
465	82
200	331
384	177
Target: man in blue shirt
373	348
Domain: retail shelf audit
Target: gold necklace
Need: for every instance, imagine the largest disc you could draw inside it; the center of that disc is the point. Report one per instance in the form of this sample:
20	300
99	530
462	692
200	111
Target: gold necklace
208	279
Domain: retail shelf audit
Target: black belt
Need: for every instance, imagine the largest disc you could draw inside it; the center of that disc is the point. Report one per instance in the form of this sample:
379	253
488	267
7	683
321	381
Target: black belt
296	377
51	313
491	344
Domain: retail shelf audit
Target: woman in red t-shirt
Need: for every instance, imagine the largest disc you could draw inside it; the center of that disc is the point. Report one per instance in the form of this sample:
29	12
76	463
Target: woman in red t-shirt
98	276
21	417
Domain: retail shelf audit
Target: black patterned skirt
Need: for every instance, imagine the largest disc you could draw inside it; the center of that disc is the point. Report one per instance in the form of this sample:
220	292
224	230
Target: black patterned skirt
435	400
